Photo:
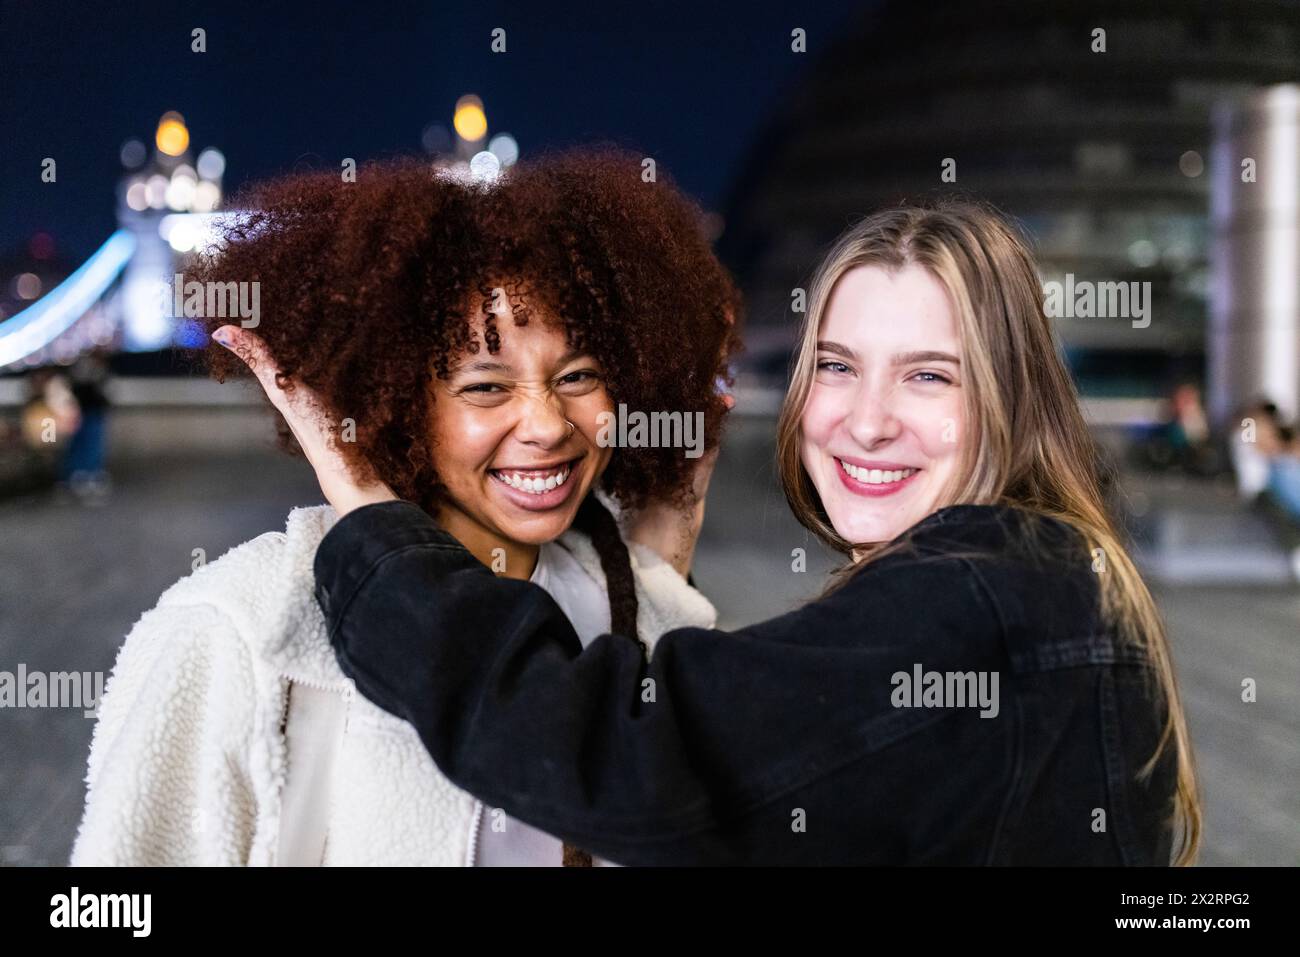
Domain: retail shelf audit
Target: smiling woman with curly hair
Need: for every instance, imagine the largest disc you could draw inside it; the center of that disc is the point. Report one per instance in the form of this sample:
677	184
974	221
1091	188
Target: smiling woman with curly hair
470	345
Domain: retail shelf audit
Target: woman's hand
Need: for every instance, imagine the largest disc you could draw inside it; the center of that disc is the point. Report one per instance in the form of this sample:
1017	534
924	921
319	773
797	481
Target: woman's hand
307	420
672	531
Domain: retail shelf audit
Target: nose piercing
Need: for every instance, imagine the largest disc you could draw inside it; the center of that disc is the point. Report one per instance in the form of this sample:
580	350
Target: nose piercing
572	428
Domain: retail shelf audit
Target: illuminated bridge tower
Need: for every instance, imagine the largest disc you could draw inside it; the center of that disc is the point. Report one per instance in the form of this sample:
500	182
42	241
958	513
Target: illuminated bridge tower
162	204
118	297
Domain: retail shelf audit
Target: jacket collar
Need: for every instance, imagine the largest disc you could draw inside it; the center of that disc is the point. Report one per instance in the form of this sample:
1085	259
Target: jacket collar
293	639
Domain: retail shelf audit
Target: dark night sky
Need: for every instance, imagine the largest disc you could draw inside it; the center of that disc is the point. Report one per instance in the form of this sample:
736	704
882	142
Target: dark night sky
286	84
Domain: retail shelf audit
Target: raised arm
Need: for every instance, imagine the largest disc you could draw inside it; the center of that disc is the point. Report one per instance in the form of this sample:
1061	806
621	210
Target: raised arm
707	754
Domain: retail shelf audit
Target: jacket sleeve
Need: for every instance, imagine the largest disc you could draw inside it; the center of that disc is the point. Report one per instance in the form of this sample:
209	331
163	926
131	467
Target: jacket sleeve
638	762
167	778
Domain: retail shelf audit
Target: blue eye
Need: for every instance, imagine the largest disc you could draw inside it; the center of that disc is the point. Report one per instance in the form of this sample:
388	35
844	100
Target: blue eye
933	377
832	365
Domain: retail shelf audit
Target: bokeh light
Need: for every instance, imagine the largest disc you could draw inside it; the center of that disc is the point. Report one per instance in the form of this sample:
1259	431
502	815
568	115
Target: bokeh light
172	138
469	119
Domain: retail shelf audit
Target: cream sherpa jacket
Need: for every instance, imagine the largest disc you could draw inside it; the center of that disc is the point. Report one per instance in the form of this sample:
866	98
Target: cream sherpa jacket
188	761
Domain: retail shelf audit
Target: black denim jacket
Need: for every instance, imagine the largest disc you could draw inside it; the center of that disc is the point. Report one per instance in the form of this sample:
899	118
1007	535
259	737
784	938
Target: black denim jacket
794	741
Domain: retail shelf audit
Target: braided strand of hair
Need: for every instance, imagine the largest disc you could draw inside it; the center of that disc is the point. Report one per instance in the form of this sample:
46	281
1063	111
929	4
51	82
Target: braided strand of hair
594	520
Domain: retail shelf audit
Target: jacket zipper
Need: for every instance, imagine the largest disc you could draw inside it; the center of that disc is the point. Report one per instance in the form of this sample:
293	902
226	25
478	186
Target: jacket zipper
337	687
471	857
287	682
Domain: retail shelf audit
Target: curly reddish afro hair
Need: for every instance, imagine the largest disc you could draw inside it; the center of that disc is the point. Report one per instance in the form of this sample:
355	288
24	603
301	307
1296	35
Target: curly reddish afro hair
368	291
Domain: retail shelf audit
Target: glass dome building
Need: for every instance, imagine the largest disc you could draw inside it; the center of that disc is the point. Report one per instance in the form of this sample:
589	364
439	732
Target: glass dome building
1090	123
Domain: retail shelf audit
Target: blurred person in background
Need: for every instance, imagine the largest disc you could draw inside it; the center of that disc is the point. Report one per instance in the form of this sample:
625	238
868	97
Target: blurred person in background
1252	447
1266	459
1183	440
83	466
50	418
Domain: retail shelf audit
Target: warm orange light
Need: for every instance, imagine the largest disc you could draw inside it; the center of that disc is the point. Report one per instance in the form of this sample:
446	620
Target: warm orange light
172	137
469	119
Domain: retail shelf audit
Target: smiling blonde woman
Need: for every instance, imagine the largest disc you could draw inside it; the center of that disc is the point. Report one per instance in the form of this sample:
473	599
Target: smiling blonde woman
889	280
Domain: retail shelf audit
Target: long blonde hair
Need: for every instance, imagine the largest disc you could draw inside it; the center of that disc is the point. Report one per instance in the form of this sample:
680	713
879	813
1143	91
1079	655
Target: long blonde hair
1026	443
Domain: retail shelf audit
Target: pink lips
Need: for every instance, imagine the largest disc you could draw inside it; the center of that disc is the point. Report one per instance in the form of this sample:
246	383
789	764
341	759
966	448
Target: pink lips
873	490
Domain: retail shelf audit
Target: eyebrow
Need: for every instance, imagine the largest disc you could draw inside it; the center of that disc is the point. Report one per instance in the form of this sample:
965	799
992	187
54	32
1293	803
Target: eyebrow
496	365
898	358
482	365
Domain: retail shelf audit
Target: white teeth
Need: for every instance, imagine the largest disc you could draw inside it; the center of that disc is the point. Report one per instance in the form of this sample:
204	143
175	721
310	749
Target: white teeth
875	476
538	485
